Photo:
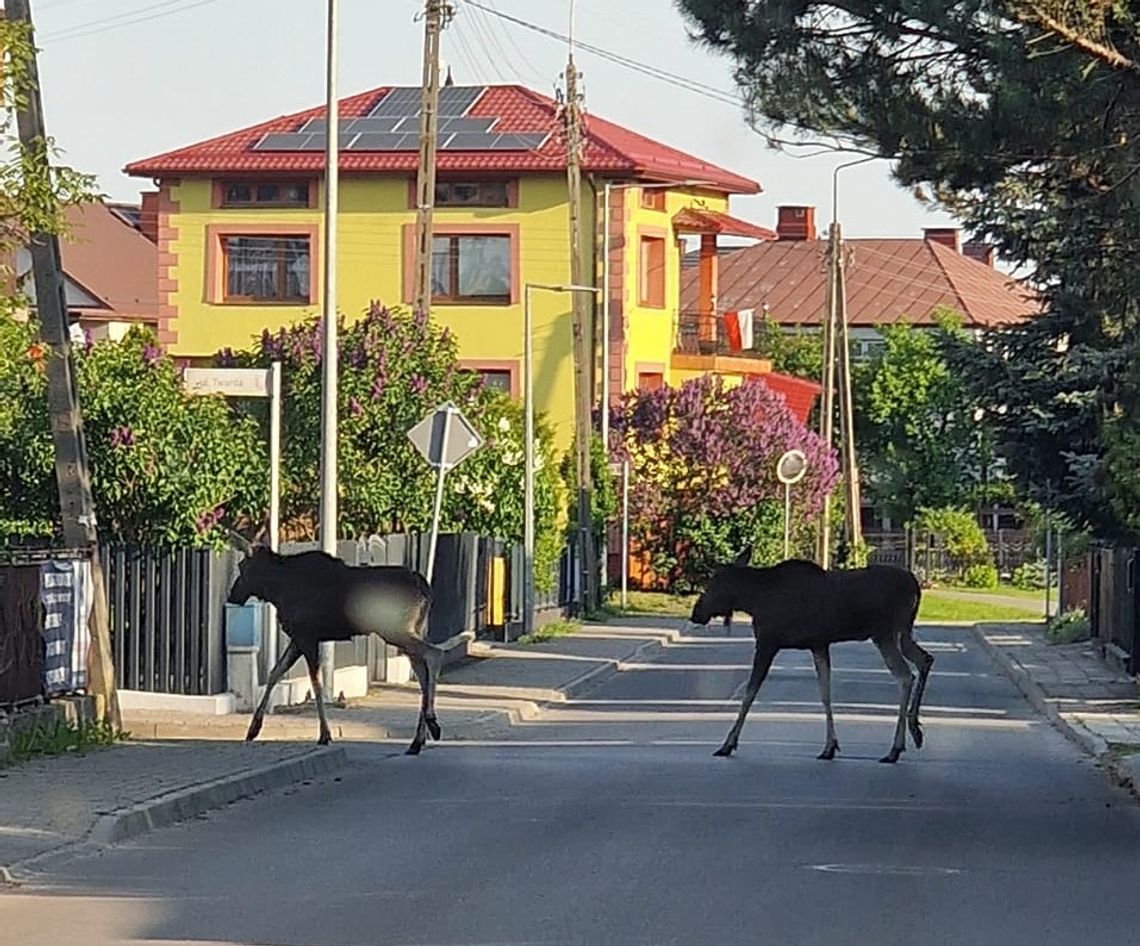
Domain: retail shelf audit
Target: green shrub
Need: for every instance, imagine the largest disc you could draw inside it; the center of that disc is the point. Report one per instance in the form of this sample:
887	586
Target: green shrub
984	575
1029	576
1068	627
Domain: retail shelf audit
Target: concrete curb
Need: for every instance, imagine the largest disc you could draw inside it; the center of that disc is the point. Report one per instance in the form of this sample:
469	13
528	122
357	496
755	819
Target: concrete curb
163	810
1125	772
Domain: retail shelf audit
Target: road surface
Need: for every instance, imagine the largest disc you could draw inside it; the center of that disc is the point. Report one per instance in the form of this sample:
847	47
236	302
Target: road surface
608	821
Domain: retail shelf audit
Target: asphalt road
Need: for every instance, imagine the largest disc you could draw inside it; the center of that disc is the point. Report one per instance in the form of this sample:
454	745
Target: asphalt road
609	822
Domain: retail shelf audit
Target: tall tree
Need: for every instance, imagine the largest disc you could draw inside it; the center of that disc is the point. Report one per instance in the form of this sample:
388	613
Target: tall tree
1030	137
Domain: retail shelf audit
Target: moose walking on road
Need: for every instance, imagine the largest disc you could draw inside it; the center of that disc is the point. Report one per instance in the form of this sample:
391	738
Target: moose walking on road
320	598
798	605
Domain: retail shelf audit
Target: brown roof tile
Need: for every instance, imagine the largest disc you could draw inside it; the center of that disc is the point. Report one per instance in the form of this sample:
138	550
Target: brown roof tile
888	281
112	261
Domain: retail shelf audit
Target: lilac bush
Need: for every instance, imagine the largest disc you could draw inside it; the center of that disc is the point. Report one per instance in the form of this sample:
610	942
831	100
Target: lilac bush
703	474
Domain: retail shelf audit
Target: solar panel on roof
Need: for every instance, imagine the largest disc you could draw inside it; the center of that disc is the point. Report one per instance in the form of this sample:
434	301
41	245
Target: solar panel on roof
466	124
456	99
403	101
517	142
372	125
283	141
469	141
377	141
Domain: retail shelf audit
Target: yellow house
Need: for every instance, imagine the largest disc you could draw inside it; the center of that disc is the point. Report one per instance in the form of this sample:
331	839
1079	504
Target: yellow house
238	221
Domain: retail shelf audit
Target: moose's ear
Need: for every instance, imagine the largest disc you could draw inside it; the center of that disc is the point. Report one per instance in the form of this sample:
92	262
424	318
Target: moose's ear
260	536
745	556
240	542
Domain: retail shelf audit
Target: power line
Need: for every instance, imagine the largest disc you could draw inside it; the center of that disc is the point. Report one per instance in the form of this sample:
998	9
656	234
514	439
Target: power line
128	18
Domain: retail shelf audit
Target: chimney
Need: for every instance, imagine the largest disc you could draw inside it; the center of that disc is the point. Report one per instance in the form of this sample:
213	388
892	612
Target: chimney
148	218
947	236
982	252
795	223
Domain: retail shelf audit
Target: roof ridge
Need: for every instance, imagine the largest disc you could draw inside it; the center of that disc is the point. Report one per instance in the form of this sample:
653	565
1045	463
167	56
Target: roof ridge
935	250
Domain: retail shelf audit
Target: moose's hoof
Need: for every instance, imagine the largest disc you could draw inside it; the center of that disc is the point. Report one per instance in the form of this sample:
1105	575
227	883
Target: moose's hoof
254	729
414	748
724	751
829	751
324	739
433	728
891	757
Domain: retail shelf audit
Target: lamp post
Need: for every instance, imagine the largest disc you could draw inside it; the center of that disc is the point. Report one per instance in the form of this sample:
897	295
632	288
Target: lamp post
528	445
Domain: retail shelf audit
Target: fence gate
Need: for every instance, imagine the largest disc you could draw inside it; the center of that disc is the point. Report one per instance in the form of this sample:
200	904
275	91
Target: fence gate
1113	602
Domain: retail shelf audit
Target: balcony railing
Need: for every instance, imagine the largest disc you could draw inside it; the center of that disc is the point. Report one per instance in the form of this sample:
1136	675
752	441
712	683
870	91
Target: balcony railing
702	333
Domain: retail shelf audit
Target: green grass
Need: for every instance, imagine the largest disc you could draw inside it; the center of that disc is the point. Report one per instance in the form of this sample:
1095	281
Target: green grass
63	738
935	607
1002	591
550	631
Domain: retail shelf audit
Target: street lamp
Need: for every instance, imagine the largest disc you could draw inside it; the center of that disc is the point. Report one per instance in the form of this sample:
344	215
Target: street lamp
528	445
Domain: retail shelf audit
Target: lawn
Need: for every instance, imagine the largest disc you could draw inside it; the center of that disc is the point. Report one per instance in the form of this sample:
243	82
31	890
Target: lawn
935	608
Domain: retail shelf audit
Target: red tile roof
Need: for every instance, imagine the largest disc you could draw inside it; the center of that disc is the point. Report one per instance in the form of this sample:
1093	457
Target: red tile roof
696	220
888	280
112	261
799	393
609	149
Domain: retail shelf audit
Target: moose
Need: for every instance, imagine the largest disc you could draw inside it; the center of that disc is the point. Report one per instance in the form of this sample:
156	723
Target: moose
320	598
798	605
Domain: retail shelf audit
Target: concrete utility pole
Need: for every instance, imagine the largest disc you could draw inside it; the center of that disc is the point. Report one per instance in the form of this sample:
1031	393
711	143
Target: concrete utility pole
72	472
437	13
328	508
583	336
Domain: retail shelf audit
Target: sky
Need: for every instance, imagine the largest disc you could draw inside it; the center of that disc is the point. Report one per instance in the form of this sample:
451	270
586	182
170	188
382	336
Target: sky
126	79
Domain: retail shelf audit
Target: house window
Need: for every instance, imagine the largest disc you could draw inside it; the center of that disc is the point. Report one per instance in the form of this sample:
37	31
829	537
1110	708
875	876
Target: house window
496	380
653	198
651	287
471	269
650	380
472	194
266	269
265	194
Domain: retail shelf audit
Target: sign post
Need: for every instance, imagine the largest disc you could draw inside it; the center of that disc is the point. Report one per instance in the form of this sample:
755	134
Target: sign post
790	469
258	383
445	438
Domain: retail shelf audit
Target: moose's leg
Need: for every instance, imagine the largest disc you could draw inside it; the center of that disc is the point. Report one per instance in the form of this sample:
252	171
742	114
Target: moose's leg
900	669
822	658
284	662
313	659
924	661
760	665
419	668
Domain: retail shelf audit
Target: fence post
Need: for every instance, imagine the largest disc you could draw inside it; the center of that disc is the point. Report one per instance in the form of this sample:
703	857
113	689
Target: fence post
219	574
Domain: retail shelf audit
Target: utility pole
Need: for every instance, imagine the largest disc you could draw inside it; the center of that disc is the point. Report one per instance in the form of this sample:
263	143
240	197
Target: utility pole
827	397
852	493
328	455
436	15
72	472
583	337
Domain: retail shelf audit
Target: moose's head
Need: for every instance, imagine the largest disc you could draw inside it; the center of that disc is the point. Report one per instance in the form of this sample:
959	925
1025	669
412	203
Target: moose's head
717	600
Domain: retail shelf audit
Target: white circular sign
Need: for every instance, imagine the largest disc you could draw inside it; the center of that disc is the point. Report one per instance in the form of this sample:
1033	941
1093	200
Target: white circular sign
791	467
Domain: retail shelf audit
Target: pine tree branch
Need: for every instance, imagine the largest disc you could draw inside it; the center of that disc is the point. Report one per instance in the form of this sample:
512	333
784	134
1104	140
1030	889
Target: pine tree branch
1032	13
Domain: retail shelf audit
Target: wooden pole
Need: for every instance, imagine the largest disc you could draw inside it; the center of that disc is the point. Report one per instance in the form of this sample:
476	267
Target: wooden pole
583	337
435	14
827	398
72	471
853	495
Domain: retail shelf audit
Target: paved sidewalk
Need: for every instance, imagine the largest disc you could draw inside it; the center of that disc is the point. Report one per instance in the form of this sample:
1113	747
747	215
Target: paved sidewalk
1094	704
52	804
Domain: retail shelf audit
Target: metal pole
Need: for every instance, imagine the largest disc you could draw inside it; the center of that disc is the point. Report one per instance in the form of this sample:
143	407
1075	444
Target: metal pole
1048	563
625	533
437	509
606	319
274	493
328	509
787	520
528	475
1060	571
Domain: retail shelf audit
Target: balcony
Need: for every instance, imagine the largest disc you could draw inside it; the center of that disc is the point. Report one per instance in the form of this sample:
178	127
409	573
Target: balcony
704	342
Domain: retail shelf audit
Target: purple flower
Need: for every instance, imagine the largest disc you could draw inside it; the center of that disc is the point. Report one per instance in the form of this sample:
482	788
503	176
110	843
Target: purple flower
378	385
355	407
419	383
150	354
122	437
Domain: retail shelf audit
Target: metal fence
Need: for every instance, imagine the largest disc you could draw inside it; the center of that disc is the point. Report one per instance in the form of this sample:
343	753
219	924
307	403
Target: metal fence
926	555
1113	602
167	629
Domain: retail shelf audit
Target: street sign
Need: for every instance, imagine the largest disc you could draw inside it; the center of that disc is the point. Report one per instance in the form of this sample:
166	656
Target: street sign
232	382
791	467
445	437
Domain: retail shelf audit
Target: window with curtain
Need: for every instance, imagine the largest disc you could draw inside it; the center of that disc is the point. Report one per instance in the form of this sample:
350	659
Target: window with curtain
267	269
471	269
